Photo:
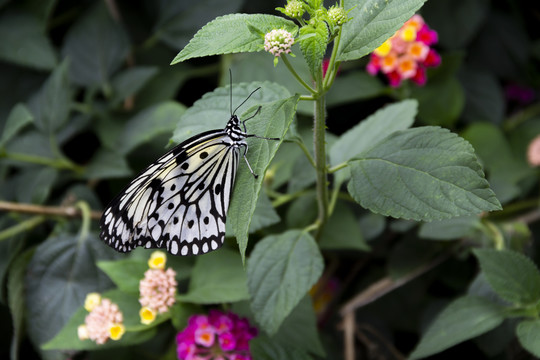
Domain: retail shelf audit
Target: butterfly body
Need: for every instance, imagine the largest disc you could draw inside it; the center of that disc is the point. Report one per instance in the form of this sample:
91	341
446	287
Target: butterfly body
180	201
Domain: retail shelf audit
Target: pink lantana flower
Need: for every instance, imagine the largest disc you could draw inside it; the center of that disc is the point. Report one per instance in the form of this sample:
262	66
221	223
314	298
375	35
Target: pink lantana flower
406	54
533	152
217	335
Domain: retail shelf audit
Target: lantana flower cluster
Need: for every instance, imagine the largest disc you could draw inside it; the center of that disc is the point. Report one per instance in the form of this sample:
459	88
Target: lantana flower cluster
278	41
104	320
218	335
157	289
407	54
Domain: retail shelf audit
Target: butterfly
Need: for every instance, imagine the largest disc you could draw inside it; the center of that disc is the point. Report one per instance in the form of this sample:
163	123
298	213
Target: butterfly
180	201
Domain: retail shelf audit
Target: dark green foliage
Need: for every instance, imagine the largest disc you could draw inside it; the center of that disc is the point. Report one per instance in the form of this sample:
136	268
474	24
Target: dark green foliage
397	227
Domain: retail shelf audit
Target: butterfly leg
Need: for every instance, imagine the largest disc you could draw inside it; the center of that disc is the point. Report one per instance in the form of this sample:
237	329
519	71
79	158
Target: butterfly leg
247	162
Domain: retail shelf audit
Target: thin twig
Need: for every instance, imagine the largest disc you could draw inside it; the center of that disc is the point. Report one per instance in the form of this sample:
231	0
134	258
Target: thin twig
348	329
387	284
65	211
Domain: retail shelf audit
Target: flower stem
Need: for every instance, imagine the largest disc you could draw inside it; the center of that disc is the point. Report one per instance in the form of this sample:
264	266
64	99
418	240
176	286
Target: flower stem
319	146
295	74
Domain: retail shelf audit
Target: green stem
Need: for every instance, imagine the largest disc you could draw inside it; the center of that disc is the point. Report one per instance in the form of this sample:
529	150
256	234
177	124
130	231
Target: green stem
295	74
333	169
319	146
306	151
40	160
86	219
21	227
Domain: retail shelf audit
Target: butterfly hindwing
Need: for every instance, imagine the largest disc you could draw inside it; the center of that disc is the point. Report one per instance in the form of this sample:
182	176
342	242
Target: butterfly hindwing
180	201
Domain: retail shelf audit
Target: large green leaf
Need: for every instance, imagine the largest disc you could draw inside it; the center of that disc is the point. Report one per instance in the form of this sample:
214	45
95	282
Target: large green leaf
177	21
465	318
213	110
59	276
232	34
272	122
24	41
97	46
149	123
528	333
217	277
51	104
373	21
368	132
19	117
281	270
513	276
425	173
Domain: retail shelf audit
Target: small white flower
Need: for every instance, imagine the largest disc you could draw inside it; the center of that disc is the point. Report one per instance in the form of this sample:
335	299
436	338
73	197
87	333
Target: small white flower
278	41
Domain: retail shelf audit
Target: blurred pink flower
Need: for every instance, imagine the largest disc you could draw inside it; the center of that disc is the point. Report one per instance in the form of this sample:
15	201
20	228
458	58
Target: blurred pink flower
533	152
157	289
406	54
215	336
103	322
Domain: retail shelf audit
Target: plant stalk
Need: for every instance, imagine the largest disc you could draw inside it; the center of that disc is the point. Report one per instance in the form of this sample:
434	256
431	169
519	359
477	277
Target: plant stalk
319	145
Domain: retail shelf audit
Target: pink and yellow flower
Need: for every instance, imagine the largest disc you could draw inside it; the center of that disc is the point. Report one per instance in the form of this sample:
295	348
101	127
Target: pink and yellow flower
406	54
157	289
215	336
104	321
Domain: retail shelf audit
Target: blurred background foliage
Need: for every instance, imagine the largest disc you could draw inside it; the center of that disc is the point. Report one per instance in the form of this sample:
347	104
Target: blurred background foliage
88	99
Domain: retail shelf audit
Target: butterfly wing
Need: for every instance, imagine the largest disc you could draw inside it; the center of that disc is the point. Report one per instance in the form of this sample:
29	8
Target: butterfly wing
179	202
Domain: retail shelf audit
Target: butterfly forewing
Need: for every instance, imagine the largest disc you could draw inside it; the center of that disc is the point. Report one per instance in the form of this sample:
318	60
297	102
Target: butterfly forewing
180	201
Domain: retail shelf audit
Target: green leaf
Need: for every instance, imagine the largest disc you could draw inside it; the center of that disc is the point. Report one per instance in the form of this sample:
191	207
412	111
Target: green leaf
263	348
34	185
281	270
213	110
97	46
232	34
342	231
273	121
465	318
125	274
16	295
449	229
373	21
314	47
177	21
440	102
528	334
425	173
264	215
158	119
353	86
368	132
513	276
18	118
51	105
443	15
107	164
136	333
217	277
24	42
299	329
59	276
485	96
507	171
130	81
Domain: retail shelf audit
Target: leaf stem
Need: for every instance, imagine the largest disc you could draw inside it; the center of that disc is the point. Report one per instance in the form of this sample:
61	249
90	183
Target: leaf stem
306	151
21	227
295	74
340	166
86	214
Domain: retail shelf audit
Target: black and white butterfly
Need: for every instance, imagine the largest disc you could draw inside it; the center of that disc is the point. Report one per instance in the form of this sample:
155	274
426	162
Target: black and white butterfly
180	201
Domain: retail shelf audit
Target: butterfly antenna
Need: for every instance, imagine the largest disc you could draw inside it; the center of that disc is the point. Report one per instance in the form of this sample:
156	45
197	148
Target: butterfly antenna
230	91
243	102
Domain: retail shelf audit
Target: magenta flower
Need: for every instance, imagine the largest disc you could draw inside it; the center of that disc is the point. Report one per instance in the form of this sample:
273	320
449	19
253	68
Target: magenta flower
218	335
407	54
